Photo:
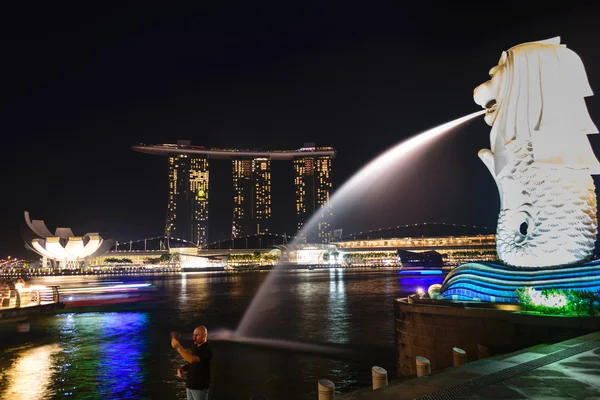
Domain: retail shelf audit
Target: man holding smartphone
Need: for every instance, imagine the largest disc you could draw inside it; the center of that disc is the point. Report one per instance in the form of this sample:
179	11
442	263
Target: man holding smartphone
197	381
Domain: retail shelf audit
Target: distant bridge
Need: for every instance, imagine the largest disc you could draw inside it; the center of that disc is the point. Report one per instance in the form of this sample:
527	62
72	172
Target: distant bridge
157	243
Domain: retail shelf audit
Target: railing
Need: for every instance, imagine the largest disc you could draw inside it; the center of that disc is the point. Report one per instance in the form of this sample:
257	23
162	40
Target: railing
28	297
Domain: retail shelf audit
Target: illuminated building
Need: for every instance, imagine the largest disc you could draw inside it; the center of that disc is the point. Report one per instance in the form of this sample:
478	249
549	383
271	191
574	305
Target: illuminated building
242	197
262	194
313	188
187	213
63	249
160	251
252	196
187	210
309	254
456	243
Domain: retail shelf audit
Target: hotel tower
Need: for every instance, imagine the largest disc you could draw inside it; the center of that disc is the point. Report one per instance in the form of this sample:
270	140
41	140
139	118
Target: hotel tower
187	211
251	196
313	187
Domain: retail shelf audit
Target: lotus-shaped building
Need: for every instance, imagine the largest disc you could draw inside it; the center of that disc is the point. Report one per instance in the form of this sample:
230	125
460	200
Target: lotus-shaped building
63	249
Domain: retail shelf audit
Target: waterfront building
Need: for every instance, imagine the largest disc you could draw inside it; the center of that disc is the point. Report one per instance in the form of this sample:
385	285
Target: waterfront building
252	196
262	194
157	253
426	243
187	210
457	244
310	254
63	249
313	189
188	205
162	251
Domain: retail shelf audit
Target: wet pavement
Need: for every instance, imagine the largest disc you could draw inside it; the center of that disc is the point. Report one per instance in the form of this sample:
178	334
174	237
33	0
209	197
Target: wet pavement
565	370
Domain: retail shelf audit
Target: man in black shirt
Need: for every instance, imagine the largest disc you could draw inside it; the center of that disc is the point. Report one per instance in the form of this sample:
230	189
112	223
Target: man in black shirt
197	381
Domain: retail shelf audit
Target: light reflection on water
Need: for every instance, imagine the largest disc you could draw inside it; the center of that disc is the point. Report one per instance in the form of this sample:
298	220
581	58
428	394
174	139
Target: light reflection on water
127	355
122	353
337	331
104	350
30	375
95	356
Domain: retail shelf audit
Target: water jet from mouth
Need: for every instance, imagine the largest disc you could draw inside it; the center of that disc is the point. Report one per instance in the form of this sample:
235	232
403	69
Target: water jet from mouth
364	181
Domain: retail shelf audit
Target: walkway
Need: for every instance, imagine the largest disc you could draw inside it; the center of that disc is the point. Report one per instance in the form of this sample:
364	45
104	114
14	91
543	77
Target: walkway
565	370
19	302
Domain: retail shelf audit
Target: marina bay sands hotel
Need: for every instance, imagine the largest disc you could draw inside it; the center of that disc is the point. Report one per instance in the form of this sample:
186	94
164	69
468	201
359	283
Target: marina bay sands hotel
187	211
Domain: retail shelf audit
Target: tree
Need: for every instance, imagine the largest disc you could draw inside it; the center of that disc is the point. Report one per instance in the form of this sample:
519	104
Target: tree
335	255
152	261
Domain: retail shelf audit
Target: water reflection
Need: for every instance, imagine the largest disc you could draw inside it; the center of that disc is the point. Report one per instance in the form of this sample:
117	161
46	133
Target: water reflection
338	312
311	318
114	363
192	290
183	289
122	354
30	375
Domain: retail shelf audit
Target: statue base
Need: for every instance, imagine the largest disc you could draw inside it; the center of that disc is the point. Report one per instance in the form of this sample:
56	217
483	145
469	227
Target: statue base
496	283
433	328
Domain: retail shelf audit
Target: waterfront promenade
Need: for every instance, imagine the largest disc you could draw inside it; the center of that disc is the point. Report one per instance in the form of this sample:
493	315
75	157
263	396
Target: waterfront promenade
565	370
28	300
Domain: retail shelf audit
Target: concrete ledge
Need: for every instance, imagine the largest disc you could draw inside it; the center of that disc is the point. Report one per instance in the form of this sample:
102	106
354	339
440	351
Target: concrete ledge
432	329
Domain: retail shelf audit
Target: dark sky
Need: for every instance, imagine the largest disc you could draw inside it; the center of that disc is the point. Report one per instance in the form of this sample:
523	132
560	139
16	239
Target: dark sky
80	86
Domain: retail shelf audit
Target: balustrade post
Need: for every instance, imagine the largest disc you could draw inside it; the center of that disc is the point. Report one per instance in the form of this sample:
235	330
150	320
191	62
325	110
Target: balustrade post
459	356
326	389
379	377
423	366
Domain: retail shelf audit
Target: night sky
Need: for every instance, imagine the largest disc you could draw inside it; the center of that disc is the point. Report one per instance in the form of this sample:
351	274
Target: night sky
80	86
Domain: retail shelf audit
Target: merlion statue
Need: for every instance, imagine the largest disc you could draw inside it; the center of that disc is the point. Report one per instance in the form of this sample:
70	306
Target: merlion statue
540	156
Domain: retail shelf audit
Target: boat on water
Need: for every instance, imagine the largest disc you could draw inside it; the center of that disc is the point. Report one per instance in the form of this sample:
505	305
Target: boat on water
110	297
420	263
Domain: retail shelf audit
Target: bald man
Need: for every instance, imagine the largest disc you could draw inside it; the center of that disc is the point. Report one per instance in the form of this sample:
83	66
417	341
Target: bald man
197	382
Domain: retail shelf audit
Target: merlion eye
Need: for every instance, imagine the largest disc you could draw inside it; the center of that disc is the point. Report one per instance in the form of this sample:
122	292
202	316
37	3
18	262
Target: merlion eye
523	228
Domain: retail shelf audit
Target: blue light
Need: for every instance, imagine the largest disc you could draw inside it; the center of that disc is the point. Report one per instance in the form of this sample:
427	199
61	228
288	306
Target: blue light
431	272
497	283
122	356
421	272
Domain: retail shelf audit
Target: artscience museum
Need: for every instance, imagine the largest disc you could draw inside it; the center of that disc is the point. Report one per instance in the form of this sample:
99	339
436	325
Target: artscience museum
63	249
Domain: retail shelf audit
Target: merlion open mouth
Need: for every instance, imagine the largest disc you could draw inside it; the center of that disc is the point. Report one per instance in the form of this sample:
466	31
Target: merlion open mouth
490	107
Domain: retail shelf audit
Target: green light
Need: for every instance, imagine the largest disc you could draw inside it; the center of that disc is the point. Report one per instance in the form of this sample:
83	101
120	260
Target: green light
552	300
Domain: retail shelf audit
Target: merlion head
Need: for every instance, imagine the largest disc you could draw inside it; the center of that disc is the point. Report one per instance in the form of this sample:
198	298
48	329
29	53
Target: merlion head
540	157
536	92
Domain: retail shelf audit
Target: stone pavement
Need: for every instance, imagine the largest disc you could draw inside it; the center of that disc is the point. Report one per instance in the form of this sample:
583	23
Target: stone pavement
565	370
